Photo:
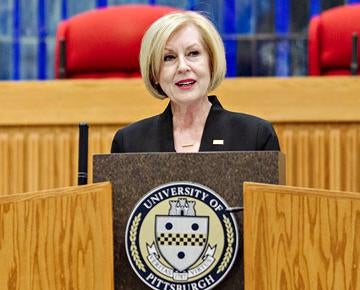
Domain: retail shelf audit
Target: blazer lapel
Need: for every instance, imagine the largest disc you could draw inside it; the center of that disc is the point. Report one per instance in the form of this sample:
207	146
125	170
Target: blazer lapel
213	138
165	131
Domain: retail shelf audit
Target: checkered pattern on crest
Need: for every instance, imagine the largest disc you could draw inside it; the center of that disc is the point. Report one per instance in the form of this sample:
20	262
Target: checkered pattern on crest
172	239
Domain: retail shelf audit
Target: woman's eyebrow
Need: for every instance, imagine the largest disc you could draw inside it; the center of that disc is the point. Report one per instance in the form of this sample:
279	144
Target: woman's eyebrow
168	49
193	45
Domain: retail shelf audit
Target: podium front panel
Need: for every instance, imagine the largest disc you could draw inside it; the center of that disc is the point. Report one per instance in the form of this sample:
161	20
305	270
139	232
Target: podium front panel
134	174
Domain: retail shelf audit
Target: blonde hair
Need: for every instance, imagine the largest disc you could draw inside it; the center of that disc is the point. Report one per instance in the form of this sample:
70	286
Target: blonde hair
154	41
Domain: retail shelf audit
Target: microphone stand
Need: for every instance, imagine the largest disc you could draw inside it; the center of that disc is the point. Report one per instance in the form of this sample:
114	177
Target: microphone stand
235	209
83	154
62	59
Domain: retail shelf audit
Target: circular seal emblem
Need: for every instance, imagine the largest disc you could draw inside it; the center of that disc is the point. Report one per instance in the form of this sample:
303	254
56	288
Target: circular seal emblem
180	236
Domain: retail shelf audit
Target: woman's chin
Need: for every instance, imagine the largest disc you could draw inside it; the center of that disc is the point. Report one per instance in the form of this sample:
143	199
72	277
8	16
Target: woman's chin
188	97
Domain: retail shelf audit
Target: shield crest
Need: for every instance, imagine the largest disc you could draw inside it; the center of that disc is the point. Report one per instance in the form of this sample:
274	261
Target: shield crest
181	240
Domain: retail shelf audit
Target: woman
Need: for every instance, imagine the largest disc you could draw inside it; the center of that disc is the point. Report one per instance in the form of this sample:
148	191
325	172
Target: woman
182	58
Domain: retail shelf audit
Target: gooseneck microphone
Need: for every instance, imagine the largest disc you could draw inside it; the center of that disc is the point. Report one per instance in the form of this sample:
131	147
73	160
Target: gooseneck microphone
83	154
354	58
62	59
235	209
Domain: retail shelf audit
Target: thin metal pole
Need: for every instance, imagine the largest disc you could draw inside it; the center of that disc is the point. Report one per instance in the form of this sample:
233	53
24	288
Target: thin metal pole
83	154
354	58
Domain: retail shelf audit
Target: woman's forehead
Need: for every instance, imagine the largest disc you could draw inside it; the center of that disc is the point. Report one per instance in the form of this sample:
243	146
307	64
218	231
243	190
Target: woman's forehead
187	35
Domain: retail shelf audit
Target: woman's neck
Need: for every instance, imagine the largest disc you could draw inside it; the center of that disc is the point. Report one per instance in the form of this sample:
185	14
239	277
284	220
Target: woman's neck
188	124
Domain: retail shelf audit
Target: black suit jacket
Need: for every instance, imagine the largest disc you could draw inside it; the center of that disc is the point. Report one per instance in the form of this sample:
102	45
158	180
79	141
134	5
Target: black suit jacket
239	132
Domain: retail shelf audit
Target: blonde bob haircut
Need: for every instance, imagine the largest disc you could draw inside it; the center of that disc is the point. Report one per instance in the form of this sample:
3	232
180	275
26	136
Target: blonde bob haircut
156	37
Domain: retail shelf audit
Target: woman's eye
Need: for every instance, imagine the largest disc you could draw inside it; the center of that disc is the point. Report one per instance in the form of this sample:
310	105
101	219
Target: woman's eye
169	57
194	53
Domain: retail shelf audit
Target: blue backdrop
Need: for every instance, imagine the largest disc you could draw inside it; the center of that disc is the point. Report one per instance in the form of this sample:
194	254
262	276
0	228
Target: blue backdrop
262	37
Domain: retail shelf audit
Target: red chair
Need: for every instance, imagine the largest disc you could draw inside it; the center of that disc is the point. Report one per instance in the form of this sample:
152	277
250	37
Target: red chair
330	40
104	42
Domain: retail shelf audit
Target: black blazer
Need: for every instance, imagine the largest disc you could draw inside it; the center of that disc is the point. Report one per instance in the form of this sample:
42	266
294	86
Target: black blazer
239	132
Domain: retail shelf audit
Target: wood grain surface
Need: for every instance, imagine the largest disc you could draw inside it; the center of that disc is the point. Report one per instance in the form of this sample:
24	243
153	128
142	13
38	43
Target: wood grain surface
122	101
317	120
57	239
299	238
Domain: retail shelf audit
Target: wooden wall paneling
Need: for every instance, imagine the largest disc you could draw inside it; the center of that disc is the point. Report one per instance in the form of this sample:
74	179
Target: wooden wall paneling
122	101
57	239
304	160
298	238
4	163
64	149
38	144
286	139
44	157
32	162
100	138
322	155
17	163
335	158
319	159
352	159
96	140
48	159
39	157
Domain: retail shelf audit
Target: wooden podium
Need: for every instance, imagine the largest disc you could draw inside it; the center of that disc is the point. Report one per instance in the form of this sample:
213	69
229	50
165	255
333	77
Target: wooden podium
300	238
57	239
134	175
294	238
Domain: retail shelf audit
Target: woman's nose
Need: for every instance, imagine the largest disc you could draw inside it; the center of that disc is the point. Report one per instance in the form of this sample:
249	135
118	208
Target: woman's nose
183	65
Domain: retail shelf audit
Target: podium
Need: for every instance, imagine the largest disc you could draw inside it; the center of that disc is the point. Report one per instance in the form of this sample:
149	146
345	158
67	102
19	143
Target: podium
135	174
57	239
301	238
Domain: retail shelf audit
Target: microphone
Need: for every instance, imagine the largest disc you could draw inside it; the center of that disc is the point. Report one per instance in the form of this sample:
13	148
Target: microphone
354	57
62	59
235	209
83	154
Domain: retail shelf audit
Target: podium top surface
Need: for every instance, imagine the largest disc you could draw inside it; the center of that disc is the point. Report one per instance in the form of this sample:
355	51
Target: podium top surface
224	172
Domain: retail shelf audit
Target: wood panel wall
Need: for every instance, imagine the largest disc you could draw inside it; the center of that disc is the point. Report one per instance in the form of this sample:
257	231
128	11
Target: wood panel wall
44	157
321	155
299	238
57	239
317	121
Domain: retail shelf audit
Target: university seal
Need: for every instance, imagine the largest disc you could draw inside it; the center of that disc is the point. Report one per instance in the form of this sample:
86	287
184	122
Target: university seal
180	237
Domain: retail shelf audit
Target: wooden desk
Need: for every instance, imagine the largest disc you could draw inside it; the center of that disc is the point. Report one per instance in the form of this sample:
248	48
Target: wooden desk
317	120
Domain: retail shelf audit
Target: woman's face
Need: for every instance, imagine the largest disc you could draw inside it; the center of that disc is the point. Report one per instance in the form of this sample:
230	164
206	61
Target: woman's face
185	67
